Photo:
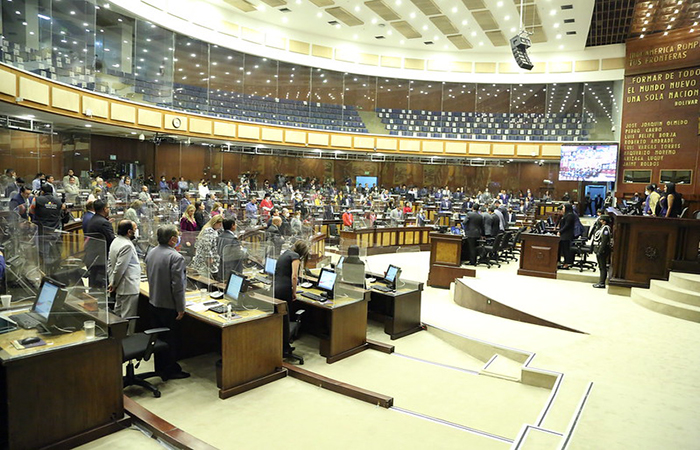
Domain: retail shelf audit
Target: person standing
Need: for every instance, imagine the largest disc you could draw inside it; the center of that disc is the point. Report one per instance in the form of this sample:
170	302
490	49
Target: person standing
100	235
566	235
474	230
19	203
47	212
165	268
124	272
286	279
651	204
602	248
671	203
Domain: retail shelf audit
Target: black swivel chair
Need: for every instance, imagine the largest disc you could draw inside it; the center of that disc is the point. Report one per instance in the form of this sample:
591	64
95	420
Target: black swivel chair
140	347
582	250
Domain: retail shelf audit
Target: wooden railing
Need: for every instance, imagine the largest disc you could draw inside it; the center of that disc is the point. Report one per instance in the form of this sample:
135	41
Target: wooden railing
386	240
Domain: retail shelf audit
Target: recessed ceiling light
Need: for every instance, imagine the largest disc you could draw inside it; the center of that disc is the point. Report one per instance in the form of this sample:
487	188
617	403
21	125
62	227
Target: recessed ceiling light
425	27
413	15
473	33
454	9
553	12
319	14
556	25
464	22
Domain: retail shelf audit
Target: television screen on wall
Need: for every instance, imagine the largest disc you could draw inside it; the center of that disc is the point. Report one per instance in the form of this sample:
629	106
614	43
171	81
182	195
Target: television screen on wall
590	162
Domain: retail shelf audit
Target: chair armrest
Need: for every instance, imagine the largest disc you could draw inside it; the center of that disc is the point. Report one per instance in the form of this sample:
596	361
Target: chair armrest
156	331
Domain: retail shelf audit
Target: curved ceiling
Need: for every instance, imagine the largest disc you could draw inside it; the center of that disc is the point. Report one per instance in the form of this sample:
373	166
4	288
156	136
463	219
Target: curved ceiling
477	26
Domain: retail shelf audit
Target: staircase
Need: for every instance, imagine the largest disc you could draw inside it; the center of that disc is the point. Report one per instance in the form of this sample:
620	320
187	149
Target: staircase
678	297
372	122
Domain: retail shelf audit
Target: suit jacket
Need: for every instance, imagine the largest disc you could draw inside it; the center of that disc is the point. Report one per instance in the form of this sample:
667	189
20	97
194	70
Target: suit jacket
166	278
489	220
566	227
474	225
100	235
124	269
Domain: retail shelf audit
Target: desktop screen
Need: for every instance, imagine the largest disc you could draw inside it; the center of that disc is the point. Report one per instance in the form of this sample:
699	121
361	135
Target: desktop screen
233	289
391	273
270	265
47	297
326	280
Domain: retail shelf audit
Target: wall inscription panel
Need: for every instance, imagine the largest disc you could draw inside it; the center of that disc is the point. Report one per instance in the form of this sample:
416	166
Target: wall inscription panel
661	105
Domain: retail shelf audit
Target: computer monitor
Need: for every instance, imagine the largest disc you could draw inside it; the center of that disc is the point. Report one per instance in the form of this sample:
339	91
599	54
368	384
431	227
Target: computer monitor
270	265
392	275
234	287
49	303
326	281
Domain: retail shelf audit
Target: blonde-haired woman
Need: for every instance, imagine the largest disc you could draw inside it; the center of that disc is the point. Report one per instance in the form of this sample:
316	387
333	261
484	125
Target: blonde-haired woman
206	257
96	194
187	221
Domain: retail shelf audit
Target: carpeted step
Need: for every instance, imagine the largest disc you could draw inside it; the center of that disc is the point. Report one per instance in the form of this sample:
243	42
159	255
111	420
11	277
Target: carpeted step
690	281
665	306
672	291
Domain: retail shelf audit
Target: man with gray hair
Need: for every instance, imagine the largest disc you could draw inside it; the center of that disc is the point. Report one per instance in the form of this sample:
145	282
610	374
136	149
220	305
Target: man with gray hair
165	267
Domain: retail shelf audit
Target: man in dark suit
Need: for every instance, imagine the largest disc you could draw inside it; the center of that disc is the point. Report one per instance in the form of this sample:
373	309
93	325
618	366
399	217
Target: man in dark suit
488	221
100	234
329	214
474	230
230	250
445	204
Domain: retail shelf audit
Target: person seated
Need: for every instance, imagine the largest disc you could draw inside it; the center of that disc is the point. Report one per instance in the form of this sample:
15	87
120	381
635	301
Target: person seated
457	229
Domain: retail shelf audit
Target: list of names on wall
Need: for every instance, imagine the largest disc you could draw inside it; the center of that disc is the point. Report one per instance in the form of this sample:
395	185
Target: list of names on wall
656	127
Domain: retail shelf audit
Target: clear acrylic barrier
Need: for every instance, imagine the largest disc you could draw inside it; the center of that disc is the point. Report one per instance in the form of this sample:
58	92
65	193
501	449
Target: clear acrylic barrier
77	310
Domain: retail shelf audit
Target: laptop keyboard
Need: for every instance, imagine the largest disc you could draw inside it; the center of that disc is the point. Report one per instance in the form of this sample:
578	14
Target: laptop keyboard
313	296
262	279
25	321
382	288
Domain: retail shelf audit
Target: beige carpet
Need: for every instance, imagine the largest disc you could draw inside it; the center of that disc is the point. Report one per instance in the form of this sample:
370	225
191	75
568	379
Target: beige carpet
644	367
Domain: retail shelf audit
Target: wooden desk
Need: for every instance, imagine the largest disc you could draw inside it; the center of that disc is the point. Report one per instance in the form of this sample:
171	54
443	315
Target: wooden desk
60	395
400	310
341	323
386	240
647	248
446	260
250	345
539	255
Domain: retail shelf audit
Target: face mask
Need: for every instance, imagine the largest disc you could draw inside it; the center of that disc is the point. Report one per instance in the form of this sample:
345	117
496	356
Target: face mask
179	238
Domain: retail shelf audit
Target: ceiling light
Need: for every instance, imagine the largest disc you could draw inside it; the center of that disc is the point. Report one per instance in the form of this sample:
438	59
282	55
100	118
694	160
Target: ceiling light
425	27
319	14
357	8
413	15
464	22
507	17
499	4
556	25
553	12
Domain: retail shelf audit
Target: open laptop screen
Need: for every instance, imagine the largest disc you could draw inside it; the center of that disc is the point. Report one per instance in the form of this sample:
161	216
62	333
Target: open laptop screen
326	280
270	265
45	301
234	286
391	273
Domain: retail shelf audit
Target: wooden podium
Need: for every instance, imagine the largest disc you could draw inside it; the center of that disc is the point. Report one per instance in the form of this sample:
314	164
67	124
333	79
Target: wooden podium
446	260
539	255
647	248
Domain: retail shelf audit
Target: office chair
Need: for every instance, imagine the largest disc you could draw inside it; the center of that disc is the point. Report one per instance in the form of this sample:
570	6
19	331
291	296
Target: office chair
581	249
294	327
140	347
507	242
683	213
696	214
